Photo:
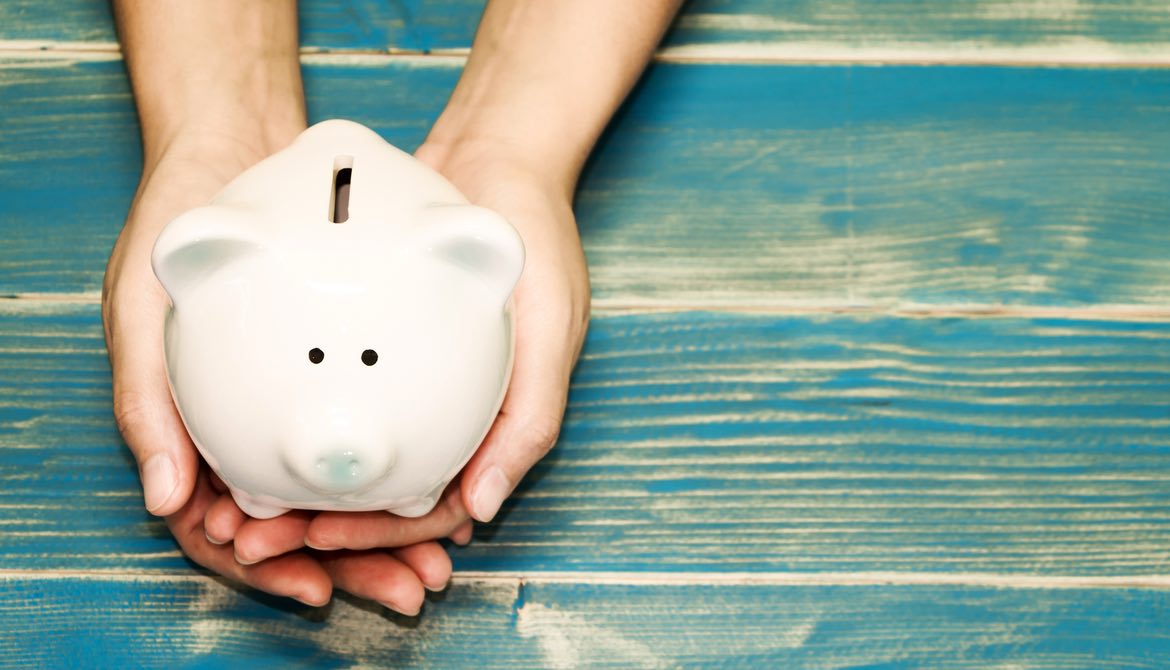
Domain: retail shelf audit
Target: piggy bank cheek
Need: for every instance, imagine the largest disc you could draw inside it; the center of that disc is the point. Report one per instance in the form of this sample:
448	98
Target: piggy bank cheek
219	368
444	384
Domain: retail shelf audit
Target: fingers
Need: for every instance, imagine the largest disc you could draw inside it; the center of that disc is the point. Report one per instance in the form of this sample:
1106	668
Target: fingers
377	576
429	562
367	530
394	579
258	539
266	556
223	519
295	575
462	535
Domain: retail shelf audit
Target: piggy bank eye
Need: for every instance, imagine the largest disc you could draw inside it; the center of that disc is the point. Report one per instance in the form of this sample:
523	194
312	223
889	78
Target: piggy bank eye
316	355
369	357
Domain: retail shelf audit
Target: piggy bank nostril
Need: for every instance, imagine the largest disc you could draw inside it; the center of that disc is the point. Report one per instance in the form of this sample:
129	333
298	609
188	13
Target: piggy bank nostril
339	468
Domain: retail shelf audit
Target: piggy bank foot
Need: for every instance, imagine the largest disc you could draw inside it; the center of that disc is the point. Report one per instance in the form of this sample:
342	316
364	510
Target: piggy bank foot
414	507
254	509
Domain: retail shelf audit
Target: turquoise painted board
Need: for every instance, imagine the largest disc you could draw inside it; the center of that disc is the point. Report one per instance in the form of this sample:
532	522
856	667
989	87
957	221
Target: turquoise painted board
722	185
715	442
83	623
1073	30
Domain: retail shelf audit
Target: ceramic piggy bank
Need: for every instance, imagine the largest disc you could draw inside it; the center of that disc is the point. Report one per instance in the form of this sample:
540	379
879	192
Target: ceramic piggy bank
340	335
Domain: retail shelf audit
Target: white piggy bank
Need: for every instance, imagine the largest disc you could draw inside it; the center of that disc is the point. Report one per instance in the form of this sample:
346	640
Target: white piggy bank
340	336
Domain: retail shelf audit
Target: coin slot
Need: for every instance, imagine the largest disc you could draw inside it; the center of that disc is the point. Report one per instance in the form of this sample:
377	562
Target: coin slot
342	179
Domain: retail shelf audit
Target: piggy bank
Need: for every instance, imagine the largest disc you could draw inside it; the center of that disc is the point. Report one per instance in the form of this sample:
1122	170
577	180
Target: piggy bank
340	334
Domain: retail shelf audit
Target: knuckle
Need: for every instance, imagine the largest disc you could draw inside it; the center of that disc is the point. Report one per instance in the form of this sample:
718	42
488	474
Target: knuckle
540	434
132	410
452	507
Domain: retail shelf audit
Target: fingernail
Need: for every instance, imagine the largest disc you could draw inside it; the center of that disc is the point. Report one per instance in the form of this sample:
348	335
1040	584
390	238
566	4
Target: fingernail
242	561
320	547
490	491
213	540
159	480
391	607
304	601
433	589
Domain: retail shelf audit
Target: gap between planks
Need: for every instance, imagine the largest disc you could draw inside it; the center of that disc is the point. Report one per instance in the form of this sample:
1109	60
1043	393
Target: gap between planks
795	579
1070	54
1103	312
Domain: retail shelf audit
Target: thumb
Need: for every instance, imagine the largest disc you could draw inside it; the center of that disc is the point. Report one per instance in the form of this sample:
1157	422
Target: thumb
167	462
146	416
524	431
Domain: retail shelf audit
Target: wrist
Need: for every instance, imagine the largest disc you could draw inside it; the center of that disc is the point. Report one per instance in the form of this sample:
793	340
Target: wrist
218	69
459	137
474	162
234	143
544	78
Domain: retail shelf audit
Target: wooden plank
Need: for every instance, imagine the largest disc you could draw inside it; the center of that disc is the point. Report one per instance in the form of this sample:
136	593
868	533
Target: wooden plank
802	29
715	442
721	185
83	622
917	30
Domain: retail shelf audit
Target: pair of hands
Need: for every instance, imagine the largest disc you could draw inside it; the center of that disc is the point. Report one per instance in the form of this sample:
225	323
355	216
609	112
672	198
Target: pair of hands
373	555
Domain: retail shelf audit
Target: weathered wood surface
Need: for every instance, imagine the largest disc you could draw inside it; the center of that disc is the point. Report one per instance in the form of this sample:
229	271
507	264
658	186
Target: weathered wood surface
186	623
1012	30
721	185
808	476
715	442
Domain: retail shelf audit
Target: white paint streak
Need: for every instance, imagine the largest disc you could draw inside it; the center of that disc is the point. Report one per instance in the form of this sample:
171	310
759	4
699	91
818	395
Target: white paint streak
1059	11
433	59
361	633
53	52
570	641
509	580
742	22
1067	51
795	637
207	633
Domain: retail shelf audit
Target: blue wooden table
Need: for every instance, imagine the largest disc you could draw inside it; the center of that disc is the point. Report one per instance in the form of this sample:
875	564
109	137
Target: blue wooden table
879	373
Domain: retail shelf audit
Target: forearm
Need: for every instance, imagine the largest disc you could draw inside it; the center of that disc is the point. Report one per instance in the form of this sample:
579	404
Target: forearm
213	68
545	76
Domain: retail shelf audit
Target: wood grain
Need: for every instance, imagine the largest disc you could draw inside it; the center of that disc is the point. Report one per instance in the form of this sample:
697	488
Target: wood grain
721	185
715	442
82	622
1100	30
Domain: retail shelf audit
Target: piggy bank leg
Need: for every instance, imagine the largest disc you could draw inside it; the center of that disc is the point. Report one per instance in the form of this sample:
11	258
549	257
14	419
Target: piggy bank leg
254	508
415	507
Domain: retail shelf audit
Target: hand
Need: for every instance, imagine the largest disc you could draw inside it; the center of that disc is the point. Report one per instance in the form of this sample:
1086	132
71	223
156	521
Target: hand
551	304
531	102
176	483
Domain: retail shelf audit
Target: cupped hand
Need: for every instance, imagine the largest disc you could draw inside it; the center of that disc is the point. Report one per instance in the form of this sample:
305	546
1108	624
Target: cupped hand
269	555
551	306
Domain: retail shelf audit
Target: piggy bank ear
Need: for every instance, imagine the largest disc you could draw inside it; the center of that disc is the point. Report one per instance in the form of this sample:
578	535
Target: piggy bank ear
477	240
198	243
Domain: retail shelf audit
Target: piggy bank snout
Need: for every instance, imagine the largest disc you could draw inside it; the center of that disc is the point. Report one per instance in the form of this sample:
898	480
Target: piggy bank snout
340	468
